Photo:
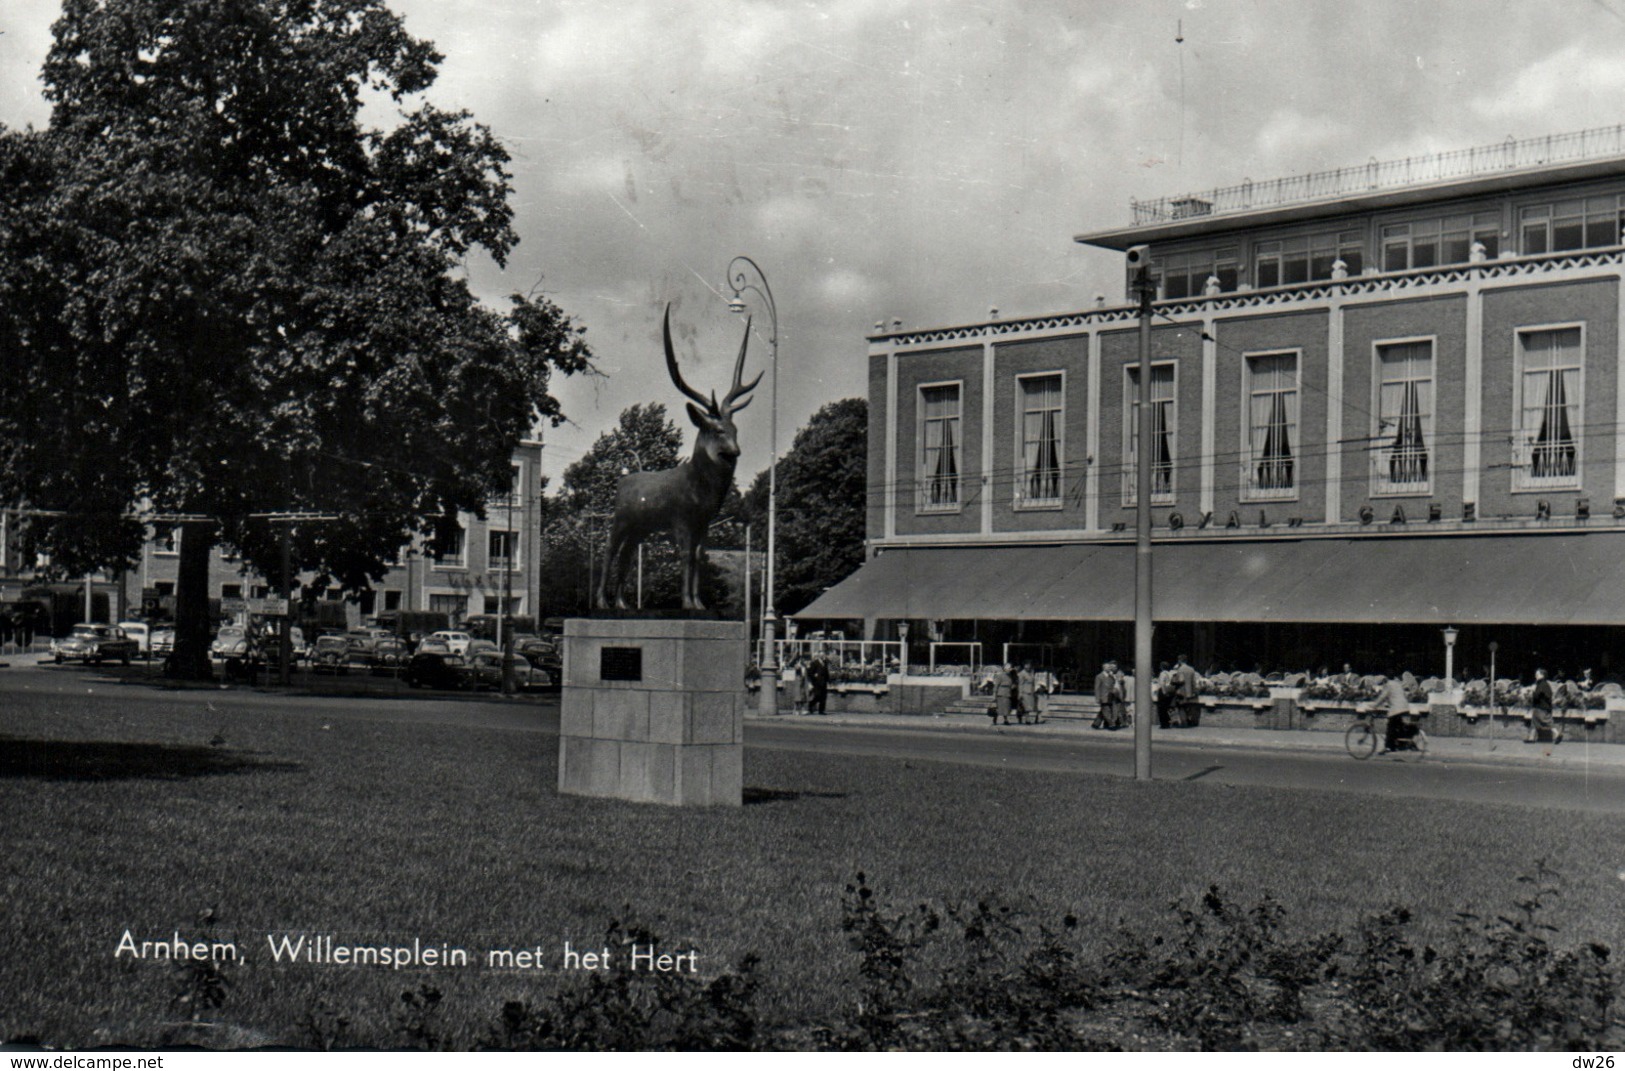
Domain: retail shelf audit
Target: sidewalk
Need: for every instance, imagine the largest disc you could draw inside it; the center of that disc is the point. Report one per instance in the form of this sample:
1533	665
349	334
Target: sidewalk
1574	753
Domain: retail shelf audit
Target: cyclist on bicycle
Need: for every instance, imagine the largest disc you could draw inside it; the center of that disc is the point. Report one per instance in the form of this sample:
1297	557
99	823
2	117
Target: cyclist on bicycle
1393	699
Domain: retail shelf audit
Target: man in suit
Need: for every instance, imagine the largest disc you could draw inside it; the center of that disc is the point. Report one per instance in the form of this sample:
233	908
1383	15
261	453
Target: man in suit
818	678
1541	703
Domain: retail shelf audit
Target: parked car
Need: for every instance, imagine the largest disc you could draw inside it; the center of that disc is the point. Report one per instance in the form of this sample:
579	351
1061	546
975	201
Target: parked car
331	654
94	644
163	642
140	633
389	656
545	654
480	647
457	641
485	671
230	642
364	643
430	670
432	645
269	647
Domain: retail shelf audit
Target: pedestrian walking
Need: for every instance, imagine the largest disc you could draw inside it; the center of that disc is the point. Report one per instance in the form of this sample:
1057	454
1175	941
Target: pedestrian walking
818	679
1109	697
1541	703
1185	689
1163	694
1004	689
795	684
1027	693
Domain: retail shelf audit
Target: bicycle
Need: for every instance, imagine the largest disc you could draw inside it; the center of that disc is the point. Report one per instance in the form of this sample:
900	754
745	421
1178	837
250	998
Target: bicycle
1364	737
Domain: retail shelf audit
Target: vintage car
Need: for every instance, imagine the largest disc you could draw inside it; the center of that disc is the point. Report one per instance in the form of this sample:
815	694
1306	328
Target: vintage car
163	642
140	632
389	656
330	654
231	641
485	671
544	654
269	647
456	640
430	670
432	645
94	644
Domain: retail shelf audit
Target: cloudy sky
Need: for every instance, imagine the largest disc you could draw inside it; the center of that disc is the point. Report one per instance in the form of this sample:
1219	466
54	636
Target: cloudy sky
923	160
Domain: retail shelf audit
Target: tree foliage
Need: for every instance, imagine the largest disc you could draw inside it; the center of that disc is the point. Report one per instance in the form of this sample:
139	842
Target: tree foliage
222	294
822	489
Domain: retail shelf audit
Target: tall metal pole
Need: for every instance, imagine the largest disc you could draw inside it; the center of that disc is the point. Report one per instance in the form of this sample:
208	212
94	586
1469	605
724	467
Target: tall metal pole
1142	541
285	644
505	635
748	658
739	282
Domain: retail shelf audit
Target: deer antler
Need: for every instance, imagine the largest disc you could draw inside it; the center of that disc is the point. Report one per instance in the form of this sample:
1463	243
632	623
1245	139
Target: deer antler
736	390
676	376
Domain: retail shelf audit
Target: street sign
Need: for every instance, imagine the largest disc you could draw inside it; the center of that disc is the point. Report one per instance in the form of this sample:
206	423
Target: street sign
275	606
234	606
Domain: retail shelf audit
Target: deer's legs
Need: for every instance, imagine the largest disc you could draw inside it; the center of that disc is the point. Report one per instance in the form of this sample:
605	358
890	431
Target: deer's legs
622	558
610	578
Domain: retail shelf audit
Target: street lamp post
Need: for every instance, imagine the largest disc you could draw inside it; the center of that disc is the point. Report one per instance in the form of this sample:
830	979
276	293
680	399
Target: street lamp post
744	274
1450	657
505	634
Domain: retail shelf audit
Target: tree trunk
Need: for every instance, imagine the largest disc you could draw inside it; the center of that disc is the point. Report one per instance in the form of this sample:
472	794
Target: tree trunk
192	633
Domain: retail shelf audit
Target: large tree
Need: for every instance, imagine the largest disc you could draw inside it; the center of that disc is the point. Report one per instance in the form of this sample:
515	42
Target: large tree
223	295
822	491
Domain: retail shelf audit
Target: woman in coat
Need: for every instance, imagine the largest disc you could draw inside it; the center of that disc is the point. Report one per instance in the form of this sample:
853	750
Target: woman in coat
1002	692
1027	693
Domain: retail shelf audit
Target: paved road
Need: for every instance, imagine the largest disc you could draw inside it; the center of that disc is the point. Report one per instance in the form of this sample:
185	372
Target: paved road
1593	788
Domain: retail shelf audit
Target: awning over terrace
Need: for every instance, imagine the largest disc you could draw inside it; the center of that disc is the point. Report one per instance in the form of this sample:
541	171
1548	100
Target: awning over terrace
1557	579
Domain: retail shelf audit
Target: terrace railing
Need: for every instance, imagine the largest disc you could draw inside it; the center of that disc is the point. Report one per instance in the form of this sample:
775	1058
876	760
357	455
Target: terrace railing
1508	155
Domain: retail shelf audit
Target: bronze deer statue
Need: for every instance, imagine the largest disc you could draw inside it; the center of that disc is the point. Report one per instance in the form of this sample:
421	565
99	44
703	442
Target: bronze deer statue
684	499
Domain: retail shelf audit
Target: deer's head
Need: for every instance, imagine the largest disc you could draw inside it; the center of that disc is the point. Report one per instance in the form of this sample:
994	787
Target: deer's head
718	441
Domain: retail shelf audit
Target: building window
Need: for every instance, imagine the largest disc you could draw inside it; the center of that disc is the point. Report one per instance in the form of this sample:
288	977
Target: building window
167	542
1432	242
1186	274
164	588
231	591
1164	433
1272	426
1581	223
1404	436
1550	392
1307	259
449	549
1041	449
392	600
939	447
454	605
502	549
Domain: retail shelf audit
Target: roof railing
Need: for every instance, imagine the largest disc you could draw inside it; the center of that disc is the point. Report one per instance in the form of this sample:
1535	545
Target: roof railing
1508	155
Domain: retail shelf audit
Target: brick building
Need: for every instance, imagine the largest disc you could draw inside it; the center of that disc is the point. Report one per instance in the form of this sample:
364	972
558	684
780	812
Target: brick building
492	558
1386	400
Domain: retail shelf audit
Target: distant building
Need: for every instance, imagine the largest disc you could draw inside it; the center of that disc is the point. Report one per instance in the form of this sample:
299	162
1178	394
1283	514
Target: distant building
1386	400
490	560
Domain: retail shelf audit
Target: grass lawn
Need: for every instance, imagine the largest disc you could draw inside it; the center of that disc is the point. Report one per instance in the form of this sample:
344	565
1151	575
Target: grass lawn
120	814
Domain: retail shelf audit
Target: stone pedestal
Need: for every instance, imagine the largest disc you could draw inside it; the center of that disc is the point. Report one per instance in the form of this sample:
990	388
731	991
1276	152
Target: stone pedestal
653	711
